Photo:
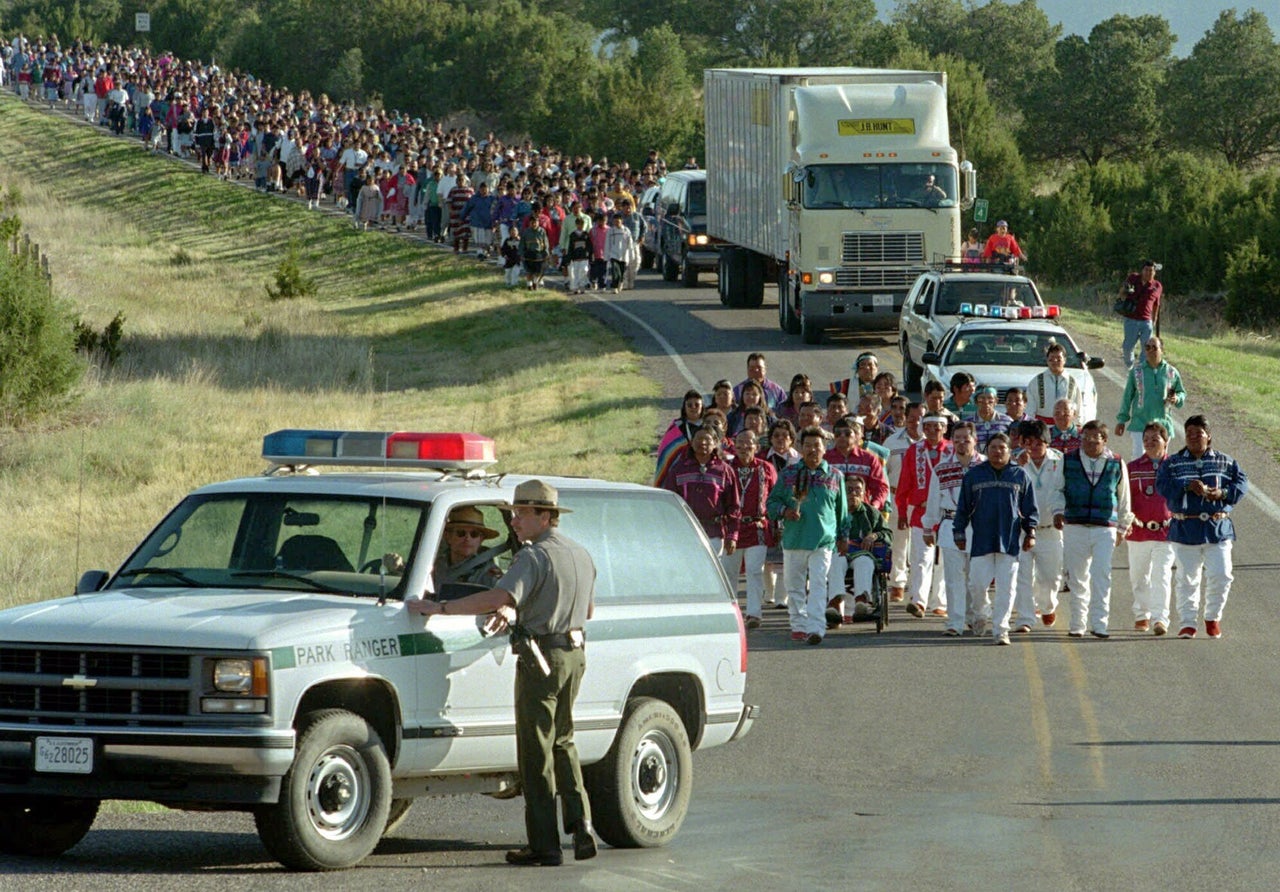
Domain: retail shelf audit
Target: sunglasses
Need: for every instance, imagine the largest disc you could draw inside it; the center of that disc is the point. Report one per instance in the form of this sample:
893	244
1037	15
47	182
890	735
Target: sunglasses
466	534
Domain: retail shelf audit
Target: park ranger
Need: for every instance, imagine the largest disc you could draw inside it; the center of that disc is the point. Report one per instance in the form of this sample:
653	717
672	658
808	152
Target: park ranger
546	597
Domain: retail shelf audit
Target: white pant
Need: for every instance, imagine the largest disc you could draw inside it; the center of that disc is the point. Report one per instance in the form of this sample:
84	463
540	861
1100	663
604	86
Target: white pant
808	608
753	559
1003	568
633	267
511	274
578	273
921	579
1040	576
1086	555
901	572
955	573
1151	576
1215	560
864	569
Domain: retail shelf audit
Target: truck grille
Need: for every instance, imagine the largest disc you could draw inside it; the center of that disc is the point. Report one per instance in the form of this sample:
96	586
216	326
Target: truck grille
70	686
877	277
882	247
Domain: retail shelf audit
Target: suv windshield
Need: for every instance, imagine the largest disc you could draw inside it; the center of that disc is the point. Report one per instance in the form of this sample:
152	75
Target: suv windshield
865	186
278	541
697	198
954	292
998	347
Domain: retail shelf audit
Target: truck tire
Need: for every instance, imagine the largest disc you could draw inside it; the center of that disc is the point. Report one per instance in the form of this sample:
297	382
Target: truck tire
670	269
732	267
396	814
786	316
335	799
688	274
810	331
911	373
640	790
43	826
753	280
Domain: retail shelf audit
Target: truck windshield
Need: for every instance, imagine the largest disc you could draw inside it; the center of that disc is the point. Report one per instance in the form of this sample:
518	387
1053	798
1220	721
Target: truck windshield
867	186
279	541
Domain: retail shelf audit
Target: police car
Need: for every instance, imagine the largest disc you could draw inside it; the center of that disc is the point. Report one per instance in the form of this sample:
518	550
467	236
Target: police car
1005	347
255	653
933	306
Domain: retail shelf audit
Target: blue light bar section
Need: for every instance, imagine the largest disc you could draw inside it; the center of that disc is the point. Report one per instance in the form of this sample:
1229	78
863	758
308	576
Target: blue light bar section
301	443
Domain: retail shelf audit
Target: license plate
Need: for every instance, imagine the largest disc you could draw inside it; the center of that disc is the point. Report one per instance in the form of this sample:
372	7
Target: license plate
64	755
882	300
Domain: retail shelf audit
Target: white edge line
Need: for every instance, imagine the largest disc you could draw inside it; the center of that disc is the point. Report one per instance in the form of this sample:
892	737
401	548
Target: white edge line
676	359
1265	502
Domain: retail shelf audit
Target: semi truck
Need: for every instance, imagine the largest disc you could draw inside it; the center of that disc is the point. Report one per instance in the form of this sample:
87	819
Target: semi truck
840	184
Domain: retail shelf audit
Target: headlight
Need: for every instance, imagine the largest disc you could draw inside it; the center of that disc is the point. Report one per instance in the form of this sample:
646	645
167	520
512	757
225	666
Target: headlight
696	239
826	278
241	676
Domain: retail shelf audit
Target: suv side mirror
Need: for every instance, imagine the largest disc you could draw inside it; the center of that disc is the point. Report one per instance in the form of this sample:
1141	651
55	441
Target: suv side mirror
91	581
1095	362
931	358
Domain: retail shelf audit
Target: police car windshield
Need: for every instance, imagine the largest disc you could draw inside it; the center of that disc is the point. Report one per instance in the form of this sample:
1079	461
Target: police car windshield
279	541
1000	347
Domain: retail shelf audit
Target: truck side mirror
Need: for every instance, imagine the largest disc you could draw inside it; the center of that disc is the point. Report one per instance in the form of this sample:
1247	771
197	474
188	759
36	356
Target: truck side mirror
969	181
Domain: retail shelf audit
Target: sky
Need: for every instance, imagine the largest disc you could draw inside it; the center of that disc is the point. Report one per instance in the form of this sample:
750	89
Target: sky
1188	19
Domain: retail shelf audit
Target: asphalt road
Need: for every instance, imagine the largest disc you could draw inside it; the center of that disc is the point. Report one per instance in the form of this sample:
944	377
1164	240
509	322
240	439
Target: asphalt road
902	760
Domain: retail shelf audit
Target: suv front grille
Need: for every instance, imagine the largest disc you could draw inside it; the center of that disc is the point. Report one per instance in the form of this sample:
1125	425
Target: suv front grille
44	684
882	247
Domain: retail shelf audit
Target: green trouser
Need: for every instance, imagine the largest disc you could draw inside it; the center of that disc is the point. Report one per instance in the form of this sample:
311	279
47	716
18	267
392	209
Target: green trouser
544	745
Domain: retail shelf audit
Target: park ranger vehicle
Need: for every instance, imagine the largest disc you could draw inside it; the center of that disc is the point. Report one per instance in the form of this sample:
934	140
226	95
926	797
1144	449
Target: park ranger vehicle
255	653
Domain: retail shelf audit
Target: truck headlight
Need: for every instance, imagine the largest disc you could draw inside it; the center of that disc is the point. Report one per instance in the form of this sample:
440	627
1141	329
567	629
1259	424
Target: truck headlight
241	676
826	278
697	239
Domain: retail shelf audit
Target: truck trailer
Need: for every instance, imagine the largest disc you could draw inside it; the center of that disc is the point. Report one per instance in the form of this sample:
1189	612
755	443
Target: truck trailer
840	184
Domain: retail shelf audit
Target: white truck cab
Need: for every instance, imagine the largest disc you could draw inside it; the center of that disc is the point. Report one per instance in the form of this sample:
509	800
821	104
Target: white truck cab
255	653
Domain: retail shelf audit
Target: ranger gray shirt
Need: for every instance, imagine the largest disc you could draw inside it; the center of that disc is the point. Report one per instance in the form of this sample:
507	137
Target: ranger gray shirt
552	580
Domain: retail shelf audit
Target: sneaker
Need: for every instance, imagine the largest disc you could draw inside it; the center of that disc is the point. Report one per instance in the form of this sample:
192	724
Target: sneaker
980	628
1049	618
798	636
1159	628
1213	628
1075	634
1187	632
814	638
896	594
915	609
846	620
1023	629
781	605
584	842
939	611
1141	625
951	633
527	857
753	622
1002	638
1099	634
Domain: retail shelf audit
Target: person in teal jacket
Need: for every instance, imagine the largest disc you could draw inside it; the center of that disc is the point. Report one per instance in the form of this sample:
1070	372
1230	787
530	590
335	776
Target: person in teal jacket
810	498
1151	393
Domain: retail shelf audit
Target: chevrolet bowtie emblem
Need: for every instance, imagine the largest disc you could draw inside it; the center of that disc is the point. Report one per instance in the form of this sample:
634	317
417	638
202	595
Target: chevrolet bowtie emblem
79	681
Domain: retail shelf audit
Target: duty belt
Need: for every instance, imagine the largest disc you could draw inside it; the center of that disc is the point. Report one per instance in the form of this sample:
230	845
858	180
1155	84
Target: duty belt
570	640
1153	525
1203	515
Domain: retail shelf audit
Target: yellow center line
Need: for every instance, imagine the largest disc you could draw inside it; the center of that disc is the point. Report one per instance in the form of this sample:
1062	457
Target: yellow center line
1039	716
1078	681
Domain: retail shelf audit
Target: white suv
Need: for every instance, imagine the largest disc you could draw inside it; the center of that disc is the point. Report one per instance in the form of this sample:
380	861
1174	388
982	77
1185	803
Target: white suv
254	653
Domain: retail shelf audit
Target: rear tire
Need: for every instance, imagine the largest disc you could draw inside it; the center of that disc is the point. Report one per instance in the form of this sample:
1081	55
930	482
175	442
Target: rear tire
732	268
640	790
43	826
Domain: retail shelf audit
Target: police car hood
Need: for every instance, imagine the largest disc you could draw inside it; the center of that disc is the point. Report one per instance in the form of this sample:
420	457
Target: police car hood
216	619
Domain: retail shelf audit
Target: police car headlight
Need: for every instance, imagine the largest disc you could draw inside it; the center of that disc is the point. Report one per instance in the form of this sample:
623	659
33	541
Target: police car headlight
240	676
826	278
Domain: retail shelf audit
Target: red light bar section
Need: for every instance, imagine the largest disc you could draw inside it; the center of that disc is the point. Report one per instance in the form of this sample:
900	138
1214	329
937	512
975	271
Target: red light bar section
460	450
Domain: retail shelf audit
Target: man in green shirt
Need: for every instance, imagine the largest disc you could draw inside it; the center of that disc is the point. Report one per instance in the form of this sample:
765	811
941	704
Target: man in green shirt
1153	389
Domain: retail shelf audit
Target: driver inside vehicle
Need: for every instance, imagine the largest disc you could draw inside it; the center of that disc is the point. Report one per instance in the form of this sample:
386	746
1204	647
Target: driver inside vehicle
459	557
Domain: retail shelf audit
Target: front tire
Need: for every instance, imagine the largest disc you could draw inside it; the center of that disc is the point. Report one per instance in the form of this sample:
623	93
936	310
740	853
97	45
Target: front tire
911	373
670	269
688	274
640	791
810	331
45	826
335	799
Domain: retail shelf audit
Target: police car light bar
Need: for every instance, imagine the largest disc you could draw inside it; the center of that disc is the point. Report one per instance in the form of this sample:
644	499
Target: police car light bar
994	311
398	449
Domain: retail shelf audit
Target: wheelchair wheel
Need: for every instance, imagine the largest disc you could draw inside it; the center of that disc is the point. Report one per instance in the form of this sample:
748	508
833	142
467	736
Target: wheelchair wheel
881	587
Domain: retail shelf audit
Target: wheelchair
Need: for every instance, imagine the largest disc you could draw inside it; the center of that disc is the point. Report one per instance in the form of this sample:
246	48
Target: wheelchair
882	555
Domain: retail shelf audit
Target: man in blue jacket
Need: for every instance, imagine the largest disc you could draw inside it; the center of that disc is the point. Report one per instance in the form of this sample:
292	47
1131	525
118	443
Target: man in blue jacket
999	502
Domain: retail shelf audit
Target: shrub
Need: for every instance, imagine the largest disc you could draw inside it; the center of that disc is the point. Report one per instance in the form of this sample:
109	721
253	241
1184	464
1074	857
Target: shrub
1253	285
104	347
38	363
289	279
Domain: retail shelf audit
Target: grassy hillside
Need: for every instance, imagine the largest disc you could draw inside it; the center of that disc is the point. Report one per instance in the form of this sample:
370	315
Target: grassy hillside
398	337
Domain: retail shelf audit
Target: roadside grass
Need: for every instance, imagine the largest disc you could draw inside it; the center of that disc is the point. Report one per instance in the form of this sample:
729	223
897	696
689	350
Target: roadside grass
1226	369
398	336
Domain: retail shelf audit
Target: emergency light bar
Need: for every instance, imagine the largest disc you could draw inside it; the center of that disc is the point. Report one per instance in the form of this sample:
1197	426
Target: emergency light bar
998	312
399	449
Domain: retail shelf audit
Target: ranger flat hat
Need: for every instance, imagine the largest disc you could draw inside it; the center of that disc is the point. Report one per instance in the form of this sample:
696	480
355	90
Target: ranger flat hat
469	516
536	494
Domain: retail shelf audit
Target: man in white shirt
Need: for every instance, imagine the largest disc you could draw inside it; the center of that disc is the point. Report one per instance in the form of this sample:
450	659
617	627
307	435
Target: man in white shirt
1053	384
1040	569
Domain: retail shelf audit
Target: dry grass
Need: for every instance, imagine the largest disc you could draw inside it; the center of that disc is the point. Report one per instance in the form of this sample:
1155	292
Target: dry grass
397	337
